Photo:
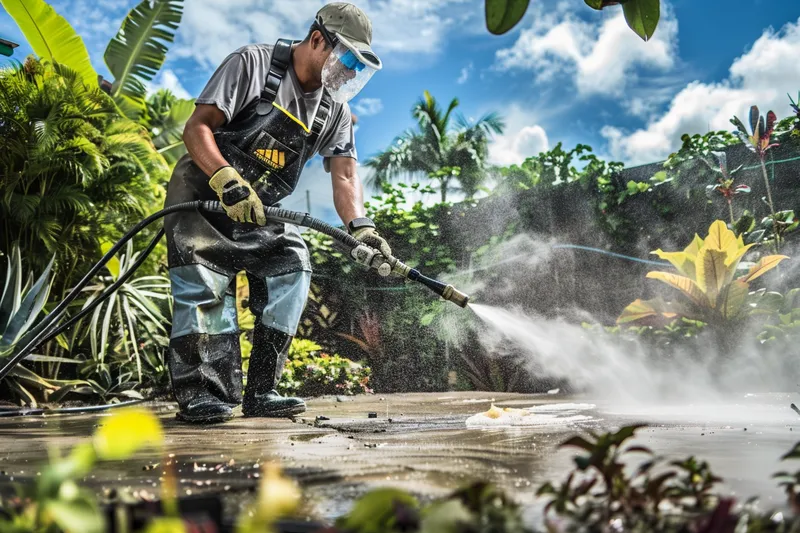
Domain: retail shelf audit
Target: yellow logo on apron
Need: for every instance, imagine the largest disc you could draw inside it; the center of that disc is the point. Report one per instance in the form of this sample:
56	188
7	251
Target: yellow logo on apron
274	158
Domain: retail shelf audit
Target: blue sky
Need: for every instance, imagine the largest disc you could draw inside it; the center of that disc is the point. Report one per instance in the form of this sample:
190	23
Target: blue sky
565	74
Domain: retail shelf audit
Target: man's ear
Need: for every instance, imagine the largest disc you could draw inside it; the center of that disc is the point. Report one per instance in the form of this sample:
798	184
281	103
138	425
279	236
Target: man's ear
317	40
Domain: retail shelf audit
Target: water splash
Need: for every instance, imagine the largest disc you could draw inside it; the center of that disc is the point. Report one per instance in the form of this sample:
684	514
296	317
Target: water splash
628	373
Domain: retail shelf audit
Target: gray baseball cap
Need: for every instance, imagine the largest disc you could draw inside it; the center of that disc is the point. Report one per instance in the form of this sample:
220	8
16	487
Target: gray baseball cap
353	28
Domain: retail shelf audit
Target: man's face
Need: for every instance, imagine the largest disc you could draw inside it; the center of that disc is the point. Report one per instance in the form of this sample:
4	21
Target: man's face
320	50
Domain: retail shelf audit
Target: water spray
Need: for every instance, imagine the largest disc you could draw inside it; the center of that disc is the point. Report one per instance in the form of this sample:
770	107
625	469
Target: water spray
49	327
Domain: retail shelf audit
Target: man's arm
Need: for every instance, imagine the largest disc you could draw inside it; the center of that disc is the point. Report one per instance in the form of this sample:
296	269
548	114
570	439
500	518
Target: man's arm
348	196
198	136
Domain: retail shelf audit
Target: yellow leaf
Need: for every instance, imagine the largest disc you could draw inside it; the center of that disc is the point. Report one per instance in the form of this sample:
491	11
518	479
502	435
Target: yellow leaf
735	255
694	246
166	525
686	285
678	260
126	431
733	298
641	309
720	237
113	263
762	267
711	273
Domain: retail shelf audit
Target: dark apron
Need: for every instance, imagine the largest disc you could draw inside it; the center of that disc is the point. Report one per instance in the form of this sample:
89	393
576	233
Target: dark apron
269	149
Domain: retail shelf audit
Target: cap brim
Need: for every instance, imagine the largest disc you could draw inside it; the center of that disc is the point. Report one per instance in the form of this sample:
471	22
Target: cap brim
363	52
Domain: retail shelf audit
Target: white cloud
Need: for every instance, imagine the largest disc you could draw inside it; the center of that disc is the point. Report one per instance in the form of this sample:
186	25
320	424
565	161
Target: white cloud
367	107
465	72
522	138
211	29
762	76
602	58
167	79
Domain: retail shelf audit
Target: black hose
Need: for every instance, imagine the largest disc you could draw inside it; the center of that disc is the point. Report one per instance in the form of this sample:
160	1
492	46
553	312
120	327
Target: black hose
48	328
106	293
8	413
40	330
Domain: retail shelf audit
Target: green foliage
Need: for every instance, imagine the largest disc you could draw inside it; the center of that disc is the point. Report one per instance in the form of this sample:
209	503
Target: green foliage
71	169
438	146
165	117
127	333
641	15
51	37
136	53
55	502
20	306
311	372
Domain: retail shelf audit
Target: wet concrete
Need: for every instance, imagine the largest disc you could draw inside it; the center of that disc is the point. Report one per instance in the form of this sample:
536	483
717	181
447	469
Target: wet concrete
420	442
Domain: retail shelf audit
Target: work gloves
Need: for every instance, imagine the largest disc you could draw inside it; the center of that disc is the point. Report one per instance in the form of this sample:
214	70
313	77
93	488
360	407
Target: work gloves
238	198
363	229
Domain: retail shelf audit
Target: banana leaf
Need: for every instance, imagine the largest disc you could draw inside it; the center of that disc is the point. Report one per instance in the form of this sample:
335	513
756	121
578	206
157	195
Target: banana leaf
139	49
51	36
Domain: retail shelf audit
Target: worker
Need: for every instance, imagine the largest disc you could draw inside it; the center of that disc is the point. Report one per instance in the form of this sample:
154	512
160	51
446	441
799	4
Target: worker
263	114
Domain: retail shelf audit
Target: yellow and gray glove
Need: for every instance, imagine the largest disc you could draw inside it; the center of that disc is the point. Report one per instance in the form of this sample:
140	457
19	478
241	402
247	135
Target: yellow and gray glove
363	229
238	198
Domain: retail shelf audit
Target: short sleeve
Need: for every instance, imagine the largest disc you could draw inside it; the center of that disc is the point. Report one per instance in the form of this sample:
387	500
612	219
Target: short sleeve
341	141
228	87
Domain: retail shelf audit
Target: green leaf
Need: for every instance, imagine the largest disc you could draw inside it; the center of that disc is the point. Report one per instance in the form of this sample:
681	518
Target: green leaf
30	308
12	291
373	512
136	53
450	516
642	16
51	36
502	15
594	4
77	515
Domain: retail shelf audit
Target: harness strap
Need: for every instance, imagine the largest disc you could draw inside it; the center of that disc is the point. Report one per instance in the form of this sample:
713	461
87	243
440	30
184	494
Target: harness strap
321	118
279	64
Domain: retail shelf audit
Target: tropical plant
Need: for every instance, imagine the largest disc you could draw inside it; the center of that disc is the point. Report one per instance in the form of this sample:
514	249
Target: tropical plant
440	148
760	142
127	332
725	185
136	53
165	118
641	15
51	37
71	169
20	306
706	278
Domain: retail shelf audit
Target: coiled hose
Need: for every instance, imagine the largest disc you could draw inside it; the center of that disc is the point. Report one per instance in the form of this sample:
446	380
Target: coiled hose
48	328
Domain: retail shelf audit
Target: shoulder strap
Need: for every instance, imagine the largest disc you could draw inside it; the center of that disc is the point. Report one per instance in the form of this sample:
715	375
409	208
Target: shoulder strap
279	64
321	118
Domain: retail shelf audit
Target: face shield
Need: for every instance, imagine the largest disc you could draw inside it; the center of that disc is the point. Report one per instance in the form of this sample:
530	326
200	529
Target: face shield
346	72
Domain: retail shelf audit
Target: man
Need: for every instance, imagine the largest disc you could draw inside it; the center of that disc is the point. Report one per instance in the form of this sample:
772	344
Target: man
265	112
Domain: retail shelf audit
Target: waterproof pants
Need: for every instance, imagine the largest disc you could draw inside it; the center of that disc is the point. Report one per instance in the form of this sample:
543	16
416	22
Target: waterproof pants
205	359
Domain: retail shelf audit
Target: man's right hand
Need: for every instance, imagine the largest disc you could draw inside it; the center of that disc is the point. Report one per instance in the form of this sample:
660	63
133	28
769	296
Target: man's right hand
238	198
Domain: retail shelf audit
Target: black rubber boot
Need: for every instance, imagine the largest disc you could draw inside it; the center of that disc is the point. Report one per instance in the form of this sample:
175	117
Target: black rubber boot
206	376
267	359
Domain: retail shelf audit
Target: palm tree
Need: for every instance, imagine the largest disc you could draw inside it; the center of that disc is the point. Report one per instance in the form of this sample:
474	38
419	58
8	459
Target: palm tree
440	148
72	170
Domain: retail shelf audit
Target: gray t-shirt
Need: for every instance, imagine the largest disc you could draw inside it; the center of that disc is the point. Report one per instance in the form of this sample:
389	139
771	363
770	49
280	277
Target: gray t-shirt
239	80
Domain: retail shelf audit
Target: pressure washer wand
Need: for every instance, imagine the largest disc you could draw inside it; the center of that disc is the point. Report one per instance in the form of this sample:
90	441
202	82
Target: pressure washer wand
359	251
49	326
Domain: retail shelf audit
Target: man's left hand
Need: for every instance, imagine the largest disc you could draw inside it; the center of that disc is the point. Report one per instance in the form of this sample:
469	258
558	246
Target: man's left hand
371	238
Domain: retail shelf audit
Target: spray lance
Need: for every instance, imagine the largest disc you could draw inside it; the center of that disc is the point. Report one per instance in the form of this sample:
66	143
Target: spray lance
49	327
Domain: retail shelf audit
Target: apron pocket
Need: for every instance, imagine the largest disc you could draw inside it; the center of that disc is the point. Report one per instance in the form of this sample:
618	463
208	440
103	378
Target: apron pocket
257	172
271	152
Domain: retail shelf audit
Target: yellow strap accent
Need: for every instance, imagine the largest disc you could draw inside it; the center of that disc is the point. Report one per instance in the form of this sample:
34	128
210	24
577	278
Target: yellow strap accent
293	117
